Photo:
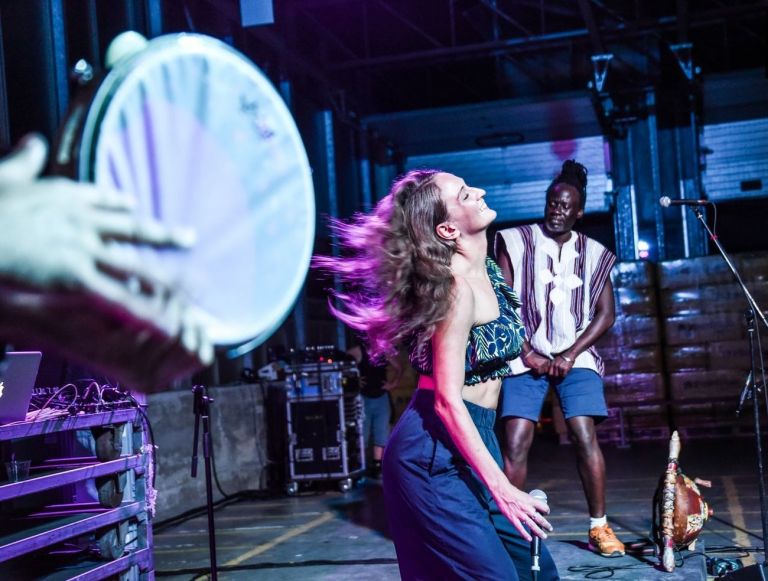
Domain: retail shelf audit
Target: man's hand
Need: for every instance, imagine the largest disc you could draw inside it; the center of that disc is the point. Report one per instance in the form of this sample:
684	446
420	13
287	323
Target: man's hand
143	346
537	362
60	234
561	365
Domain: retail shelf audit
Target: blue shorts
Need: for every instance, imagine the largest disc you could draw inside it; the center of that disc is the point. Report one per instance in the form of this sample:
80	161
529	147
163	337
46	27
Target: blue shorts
378	415
580	392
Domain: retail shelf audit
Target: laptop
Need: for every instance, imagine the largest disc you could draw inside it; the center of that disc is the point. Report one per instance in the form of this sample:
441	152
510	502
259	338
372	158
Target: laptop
18	372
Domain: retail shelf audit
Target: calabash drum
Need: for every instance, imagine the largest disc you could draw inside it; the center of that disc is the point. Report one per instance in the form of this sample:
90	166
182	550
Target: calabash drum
680	511
198	136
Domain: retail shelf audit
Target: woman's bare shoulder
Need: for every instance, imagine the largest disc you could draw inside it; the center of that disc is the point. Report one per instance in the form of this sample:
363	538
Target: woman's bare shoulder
462	309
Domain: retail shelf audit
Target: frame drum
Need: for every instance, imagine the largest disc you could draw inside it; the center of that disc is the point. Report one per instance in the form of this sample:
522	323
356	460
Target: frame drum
199	137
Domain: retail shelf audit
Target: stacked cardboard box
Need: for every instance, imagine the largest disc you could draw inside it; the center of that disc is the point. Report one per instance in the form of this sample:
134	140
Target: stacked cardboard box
631	351
707	351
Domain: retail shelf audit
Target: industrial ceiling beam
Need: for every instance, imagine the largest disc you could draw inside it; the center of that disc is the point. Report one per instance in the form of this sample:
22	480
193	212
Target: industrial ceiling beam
682	20
427	36
598	47
491	5
519	64
618	32
466	51
293	61
328	33
409	23
325	3
549	6
749	31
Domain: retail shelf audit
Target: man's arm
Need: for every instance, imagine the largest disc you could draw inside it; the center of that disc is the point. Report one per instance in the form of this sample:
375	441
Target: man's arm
605	314
505	264
537	362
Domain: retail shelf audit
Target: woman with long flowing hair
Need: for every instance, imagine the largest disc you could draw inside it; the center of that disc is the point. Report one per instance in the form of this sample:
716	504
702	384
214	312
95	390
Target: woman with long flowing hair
417	276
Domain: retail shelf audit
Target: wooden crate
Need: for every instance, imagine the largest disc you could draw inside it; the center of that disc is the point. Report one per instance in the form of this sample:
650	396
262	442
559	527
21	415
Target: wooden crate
713	419
611	433
708	270
635	388
721	298
631	360
716	385
639	415
633	274
681	357
633	331
732	355
694	329
635	301
693	272
712	356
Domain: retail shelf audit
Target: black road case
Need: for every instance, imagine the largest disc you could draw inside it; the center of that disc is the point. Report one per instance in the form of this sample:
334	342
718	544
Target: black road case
325	439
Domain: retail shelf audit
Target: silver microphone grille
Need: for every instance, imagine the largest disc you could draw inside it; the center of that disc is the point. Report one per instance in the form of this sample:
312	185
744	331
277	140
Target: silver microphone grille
539	495
665	201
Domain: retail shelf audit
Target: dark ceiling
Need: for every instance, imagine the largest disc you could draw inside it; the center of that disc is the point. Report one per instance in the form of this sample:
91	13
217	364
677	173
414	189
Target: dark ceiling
501	60
380	56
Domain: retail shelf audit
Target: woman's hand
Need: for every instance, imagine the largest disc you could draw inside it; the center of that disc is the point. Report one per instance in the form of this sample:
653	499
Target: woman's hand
522	510
449	344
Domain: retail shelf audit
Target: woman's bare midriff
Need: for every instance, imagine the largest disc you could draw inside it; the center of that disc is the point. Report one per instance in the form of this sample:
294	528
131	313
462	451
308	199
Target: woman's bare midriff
484	394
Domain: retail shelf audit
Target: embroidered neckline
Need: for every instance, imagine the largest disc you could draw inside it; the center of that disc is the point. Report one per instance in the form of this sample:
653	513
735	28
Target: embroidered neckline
562	257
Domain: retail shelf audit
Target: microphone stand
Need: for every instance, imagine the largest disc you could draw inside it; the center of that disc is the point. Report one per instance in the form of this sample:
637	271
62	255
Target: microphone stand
755	384
201	408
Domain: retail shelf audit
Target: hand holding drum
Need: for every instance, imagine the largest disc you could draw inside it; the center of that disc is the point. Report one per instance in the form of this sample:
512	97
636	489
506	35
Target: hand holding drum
63	280
183	135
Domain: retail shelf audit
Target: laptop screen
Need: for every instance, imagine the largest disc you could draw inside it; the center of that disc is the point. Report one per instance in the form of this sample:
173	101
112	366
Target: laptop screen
18	371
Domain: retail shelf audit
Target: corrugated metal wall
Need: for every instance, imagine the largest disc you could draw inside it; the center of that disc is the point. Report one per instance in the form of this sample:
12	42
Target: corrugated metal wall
516	177
737	166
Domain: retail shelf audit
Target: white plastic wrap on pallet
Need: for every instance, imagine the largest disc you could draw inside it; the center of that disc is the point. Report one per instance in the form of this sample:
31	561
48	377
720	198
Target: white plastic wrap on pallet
738	153
516	177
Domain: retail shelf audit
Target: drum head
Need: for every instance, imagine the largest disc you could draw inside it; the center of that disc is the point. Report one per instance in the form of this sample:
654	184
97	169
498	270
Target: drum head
200	138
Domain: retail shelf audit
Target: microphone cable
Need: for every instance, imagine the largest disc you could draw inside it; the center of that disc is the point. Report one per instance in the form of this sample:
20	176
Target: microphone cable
712	563
608	571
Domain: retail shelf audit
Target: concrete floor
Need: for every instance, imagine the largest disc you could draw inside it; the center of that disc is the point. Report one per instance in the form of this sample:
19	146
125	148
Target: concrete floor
322	534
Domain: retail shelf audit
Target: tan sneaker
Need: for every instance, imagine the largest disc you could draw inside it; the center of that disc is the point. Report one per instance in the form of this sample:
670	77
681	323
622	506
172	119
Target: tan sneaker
603	540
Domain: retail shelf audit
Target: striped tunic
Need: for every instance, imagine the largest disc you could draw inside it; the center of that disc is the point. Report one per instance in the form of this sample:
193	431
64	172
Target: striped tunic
559	289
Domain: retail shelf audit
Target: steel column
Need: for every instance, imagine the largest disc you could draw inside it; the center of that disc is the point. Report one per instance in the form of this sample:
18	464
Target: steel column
5	129
36	68
324	124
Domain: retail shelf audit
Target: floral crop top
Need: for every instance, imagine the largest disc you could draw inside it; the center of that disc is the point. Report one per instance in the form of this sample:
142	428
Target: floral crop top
491	345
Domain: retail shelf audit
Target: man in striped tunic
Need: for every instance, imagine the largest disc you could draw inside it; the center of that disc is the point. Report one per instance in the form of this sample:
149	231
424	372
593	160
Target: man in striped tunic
563	280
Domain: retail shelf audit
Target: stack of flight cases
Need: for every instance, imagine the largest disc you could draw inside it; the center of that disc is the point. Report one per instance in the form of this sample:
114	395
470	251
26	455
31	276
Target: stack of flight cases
316	426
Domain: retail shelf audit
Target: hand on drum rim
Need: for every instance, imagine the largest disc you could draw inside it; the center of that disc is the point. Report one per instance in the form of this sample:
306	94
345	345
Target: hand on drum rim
61	268
228	162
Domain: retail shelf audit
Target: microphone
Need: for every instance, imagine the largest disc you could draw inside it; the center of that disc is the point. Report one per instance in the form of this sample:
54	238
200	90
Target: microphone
536	541
666	202
746	394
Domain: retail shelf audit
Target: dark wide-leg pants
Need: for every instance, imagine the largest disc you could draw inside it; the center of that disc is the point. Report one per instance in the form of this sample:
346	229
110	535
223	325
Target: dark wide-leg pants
443	521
